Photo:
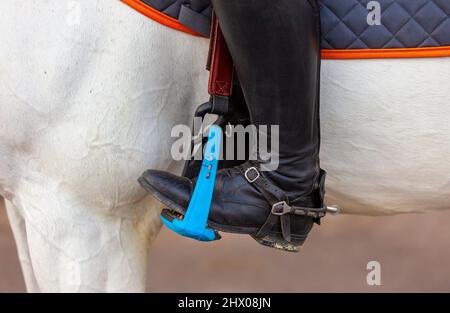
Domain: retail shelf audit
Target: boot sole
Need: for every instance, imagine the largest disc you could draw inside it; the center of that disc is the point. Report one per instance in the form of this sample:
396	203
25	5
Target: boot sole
273	239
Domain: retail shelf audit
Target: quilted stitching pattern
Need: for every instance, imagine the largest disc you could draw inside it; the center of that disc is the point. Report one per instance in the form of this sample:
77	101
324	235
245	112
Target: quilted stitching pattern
172	7
404	24
203	7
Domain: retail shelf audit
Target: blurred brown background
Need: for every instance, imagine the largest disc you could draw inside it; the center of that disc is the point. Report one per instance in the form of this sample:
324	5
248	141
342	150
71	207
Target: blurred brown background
412	249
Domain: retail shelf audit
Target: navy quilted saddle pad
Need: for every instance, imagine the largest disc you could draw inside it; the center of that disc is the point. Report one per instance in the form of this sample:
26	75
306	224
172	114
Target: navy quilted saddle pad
403	24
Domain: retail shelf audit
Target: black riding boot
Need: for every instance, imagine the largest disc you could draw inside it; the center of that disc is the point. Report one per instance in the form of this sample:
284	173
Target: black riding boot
276	51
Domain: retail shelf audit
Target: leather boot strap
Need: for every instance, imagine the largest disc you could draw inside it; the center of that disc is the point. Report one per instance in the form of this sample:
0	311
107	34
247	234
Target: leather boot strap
278	200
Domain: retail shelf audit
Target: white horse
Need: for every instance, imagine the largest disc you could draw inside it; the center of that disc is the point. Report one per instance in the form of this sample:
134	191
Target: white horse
89	91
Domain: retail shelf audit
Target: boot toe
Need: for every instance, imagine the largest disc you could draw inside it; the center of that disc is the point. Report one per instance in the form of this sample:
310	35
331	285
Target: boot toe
174	191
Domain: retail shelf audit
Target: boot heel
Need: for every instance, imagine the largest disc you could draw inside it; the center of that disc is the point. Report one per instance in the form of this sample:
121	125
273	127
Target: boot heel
276	241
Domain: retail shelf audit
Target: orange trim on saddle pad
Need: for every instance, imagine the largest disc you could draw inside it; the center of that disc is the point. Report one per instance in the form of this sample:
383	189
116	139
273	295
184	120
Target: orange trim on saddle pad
347	54
159	17
429	52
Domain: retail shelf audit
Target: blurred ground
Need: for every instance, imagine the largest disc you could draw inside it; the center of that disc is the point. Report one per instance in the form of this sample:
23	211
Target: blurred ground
412	249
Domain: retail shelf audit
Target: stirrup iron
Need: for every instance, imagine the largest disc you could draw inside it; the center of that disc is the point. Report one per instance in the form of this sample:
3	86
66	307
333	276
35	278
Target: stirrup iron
194	223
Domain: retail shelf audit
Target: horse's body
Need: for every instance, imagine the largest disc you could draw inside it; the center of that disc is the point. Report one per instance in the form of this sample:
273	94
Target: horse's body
89	92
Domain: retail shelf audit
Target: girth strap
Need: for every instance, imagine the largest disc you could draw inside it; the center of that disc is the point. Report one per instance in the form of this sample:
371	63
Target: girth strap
281	209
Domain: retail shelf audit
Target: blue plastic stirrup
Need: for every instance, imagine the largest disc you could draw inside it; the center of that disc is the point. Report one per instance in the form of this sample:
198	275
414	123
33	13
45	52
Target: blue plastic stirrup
194	223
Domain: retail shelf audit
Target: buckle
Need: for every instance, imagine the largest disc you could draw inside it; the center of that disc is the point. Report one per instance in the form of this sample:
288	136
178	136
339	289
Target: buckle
281	208
248	172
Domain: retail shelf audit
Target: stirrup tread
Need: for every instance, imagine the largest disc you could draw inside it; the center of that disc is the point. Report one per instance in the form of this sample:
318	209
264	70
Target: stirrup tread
194	222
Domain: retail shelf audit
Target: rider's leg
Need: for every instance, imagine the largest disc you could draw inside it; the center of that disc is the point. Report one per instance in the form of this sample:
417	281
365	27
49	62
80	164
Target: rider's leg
275	48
